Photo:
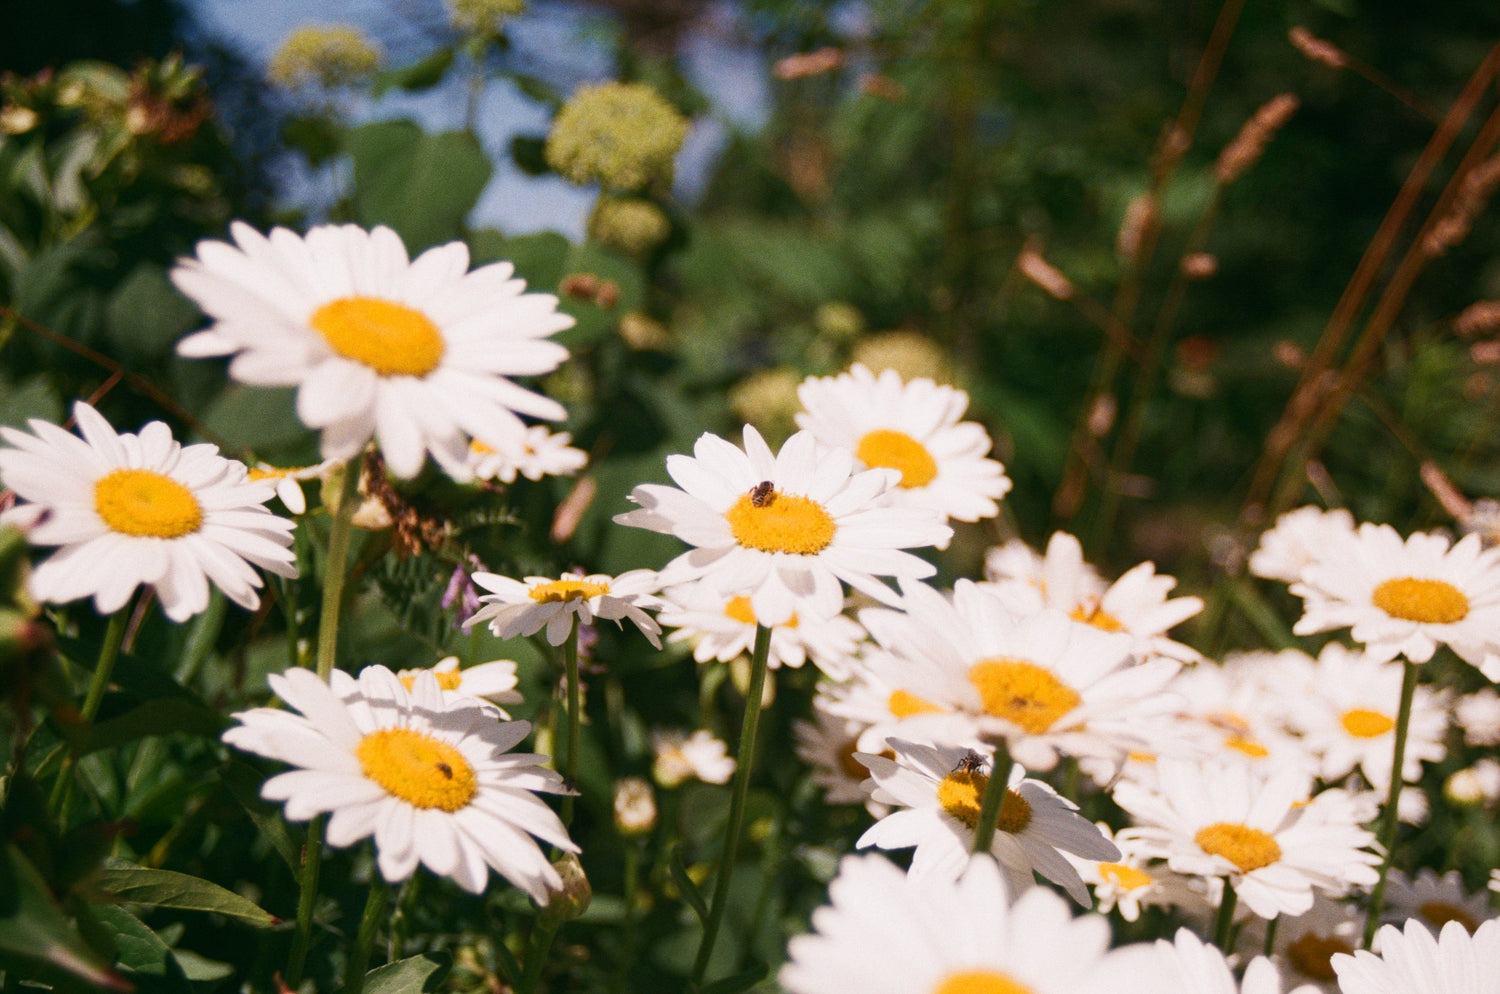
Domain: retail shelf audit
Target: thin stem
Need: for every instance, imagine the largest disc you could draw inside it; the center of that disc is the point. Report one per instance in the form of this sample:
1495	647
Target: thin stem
369	923
1225	920
335	569
1388	818
631	891
312	858
993	800
536	957
741	790
574	718
109	651
1270	943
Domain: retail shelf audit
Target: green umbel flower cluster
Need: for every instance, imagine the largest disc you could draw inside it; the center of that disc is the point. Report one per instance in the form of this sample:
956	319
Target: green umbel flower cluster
631	225
621	135
326	55
483	17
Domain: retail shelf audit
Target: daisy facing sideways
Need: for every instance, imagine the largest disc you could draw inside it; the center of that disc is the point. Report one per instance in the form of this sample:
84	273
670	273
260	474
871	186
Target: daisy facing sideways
493	682
128	510
534	454
1413	961
431	778
515	608
783	529
417	353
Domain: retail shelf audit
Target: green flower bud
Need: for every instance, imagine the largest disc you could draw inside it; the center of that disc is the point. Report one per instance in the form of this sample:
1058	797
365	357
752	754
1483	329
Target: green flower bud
632	225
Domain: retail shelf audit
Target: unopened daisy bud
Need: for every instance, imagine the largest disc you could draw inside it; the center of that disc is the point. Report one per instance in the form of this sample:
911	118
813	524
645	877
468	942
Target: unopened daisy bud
1478	318
1044	274
632	225
326	55
623	135
1478	784
571	899
635	806
1316	48
1251	142
482	17
681	757
909	353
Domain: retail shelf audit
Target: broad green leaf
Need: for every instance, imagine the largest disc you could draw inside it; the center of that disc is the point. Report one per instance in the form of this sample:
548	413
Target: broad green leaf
263	419
155	717
169	889
146	315
742	981
421	185
32	925
539	258
423	74
143	952
31	398
244	782
686	884
413	975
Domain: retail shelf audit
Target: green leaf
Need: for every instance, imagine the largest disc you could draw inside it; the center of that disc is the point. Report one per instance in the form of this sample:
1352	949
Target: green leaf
539	258
169	889
32	925
529	153
145	315
413	975
262	419
155	717
32	398
423	74
421	185
685	884
143	952
742	981
510	967
318	138
243	783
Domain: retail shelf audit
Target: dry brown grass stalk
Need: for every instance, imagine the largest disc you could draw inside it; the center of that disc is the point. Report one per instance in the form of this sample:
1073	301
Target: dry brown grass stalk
1316	48
805	64
1453	227
1479	318
1140	216
1251	142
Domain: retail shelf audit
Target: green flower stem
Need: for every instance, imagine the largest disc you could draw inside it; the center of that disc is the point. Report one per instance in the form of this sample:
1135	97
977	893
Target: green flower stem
1224	923
993	799
335	567
632	895
369	923
741	790
312	858
109	651
1388	818
574	718
536	957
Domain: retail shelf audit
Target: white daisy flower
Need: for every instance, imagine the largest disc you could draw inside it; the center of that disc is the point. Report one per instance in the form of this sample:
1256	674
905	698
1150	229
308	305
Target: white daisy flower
1413	961
1478	714
681	757
127	510
1304	945
1188	964
1349	719
914	429
1477	784
1241	708
493	682
1134	880
938	790
1434	901
1403	598
535	454
1296	540
516	608
1136	604
288	481
885	932
417	354
1221	820
723	628
784	529
827	745
432	779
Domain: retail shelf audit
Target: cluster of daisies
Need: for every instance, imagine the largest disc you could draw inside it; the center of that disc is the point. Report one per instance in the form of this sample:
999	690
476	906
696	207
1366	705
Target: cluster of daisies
1243	786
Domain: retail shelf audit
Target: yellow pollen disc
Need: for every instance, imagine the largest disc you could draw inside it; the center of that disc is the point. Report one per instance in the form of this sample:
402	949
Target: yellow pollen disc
902	704
1247	848
1363	723
1312	955
1249	747
887	449
1098	617
1432	602
961	792
419	769
1126	877
1022	693
390	338
479	448
787	524
447	679
559	591
141	502
1439	913
740	610
980	982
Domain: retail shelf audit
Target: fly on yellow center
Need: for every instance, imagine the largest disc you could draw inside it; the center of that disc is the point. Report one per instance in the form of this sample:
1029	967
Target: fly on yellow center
1098	617
1124	877
447	679
1312	955
1363	723
390	338
1247	848
1439	913
904	704
788	523
1022	693
739	609
561	591
1429	602
961	793
146	504
981	982
422	771
887	449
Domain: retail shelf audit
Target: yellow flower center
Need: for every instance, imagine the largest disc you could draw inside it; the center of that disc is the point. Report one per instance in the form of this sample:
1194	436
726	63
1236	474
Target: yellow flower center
1022	693
1098	617
786	524
903	704
258	473
1363	723
447	679
1440	913
560	591
1248	746
1432	602
1247	848
419	769
740	610
980	982
479	448
390	338
1125	877
853	768
145	503
887	449
961	792
1312	955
